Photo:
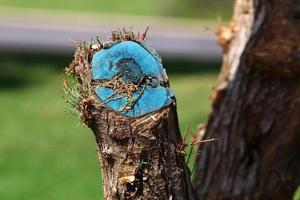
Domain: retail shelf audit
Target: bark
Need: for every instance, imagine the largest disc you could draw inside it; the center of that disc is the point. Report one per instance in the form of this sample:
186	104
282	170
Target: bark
256	109
142	157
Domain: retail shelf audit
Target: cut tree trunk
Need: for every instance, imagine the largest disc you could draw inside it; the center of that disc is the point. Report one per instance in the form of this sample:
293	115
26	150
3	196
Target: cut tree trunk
256	106
139	157
126	100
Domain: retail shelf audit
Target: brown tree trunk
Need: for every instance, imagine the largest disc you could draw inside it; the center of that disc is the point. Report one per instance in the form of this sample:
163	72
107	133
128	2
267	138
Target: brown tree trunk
142	157
256	106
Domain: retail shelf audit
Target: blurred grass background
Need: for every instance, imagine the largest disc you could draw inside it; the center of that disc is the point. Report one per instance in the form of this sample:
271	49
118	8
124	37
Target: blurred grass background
205	9
44	153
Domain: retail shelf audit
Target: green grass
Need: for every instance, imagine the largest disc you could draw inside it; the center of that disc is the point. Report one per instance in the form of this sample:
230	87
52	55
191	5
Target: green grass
297	194
179	8
44	154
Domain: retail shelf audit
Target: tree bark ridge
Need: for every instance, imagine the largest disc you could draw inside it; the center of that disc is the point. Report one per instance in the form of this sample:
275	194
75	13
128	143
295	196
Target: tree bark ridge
256	105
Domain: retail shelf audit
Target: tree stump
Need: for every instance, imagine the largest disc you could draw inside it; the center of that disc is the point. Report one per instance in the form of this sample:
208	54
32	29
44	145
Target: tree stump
123	95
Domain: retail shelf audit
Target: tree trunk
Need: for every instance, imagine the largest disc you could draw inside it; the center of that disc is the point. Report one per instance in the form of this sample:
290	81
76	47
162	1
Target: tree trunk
140	157
124	97
256	106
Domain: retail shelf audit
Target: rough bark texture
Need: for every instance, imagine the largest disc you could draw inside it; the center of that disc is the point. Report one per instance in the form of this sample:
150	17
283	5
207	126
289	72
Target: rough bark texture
141	158
256	106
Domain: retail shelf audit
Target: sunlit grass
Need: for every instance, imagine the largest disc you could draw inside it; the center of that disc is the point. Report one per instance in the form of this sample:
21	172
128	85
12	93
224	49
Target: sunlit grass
44	153
189	8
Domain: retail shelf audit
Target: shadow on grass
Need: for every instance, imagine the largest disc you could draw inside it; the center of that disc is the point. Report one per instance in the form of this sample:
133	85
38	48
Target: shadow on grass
185	67
22	70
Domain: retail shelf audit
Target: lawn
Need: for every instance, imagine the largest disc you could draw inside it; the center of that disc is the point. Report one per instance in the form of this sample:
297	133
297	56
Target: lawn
44	153
206	9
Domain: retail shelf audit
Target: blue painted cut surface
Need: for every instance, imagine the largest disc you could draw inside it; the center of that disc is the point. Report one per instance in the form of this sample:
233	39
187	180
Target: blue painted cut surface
150	100
105	94
105	62
131	62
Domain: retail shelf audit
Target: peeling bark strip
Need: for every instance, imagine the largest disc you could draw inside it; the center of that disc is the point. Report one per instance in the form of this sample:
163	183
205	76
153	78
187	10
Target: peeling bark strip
124	97
256	107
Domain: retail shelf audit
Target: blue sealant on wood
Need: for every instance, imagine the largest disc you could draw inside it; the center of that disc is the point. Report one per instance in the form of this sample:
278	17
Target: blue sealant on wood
132	62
